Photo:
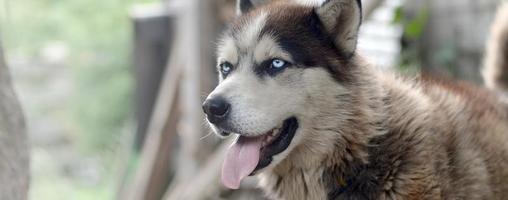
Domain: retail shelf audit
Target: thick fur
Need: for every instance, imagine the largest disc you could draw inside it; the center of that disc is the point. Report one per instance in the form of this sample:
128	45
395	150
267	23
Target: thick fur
363	134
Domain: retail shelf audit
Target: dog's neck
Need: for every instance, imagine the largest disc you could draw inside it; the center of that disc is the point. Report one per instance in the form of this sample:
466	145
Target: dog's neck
332	167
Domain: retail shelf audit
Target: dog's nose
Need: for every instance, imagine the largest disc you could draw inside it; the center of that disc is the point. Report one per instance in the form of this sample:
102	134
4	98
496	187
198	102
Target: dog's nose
216	109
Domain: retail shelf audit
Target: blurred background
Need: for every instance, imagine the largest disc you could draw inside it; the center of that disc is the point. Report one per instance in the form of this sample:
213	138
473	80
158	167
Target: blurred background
111	89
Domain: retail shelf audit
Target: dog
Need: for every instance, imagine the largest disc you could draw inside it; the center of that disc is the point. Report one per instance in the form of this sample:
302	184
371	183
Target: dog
313	119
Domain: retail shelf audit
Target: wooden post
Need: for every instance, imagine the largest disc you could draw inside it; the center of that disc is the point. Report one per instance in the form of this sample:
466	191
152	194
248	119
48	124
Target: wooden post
197	29
190	122
153	31
152	175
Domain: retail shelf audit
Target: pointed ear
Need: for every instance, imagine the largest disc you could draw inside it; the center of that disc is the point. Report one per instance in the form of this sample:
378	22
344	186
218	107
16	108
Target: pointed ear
342	19
244	6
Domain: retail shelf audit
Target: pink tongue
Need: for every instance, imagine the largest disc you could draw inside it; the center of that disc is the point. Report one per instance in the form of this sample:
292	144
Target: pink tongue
241	159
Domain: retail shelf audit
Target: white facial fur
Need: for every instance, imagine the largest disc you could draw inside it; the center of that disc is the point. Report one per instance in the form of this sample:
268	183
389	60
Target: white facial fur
259	104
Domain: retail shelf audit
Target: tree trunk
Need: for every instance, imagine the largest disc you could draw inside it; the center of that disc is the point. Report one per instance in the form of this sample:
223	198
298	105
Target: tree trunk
14	159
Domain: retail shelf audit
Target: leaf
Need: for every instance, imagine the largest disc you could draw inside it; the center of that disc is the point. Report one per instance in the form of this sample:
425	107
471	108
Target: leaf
415	27
398	17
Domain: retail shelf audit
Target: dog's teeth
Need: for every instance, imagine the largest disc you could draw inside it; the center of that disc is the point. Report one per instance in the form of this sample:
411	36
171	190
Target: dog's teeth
270	135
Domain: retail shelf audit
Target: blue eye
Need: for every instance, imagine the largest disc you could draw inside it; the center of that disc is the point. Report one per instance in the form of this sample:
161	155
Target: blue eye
278	63
226	68
274	66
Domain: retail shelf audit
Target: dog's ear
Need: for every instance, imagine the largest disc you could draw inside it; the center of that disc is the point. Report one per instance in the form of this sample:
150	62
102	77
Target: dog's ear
342	19
244	6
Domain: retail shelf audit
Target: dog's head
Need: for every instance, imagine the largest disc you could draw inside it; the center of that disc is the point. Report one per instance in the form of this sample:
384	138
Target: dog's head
284	72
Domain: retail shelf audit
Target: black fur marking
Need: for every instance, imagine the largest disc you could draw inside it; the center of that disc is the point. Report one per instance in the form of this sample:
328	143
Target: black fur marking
260	70
305	40
362	184
245	5
305	186
277	185
297	52
359	2
300	32
366	180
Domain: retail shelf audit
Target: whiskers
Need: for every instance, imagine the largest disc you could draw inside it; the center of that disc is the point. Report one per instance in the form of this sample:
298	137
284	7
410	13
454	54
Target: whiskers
204	123
207	135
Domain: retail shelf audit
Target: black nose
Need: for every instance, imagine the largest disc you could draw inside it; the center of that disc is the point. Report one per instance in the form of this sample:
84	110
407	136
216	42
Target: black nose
216	109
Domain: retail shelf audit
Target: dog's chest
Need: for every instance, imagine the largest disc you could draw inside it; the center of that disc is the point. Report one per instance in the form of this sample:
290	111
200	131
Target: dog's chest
295	185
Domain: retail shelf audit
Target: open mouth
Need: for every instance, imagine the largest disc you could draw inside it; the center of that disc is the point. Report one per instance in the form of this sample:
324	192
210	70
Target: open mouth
276	142
247	155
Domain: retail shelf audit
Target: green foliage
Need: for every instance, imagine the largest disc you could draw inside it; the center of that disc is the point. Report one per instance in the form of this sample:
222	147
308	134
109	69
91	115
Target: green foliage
444	56
414	28
98	37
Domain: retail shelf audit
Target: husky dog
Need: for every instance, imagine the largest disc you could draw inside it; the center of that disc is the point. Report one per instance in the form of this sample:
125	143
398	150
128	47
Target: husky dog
313	120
